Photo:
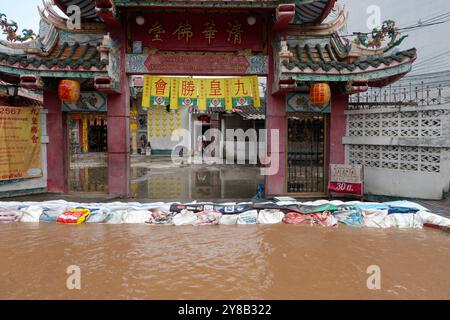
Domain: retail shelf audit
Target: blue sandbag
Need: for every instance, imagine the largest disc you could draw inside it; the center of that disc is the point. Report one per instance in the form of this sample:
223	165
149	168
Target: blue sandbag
394	210
377	206
406	204
351	217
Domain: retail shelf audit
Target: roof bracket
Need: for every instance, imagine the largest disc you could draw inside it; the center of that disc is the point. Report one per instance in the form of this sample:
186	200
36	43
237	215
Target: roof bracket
285	14
106	84
32	82
106	10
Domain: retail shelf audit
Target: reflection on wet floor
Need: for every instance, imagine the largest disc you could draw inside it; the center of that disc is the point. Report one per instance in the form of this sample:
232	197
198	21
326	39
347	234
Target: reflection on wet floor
176	183
192	182
89	179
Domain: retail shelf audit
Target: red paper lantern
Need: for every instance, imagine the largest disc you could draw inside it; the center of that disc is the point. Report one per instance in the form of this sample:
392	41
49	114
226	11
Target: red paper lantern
69	91
320	94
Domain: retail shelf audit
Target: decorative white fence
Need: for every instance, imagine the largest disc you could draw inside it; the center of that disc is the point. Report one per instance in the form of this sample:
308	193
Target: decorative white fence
402	137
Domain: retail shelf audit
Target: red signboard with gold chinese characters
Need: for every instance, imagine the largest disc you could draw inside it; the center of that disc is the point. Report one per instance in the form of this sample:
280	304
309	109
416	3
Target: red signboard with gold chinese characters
198	32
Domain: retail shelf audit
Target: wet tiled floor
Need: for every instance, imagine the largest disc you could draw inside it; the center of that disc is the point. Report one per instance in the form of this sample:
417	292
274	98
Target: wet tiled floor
161	179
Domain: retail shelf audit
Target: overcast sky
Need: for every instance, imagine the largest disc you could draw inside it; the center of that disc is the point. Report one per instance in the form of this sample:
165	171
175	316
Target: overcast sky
432	42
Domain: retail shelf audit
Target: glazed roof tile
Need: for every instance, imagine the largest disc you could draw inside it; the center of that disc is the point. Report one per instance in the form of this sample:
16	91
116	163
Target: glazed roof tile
74	55
323	58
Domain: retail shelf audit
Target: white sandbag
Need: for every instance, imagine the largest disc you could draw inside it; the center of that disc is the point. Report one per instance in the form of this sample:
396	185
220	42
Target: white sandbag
248	217
315	203
136	216
229	219
99	216
115	216
31	214
270	216
434	219
185	217
9	215
375	218
208	217
405	220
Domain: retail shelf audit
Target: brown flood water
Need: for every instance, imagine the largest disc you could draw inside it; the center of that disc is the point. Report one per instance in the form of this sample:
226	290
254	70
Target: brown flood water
221	262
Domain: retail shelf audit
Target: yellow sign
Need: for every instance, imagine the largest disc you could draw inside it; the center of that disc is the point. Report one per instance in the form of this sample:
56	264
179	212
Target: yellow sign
20	143
174	96
160	91
255	92
146	91
187	92
201	92
241	92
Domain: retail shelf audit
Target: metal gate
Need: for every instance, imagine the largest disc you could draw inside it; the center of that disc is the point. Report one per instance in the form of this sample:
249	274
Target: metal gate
306	153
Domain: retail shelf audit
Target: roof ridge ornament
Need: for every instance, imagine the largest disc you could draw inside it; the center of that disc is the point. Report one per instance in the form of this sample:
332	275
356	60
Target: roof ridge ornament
377	38
10	29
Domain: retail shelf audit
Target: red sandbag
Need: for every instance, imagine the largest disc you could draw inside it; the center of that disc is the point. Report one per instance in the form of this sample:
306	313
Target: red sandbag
321	218
297	218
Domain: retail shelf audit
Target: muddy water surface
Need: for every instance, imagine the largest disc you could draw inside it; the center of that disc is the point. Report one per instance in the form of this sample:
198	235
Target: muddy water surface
221	262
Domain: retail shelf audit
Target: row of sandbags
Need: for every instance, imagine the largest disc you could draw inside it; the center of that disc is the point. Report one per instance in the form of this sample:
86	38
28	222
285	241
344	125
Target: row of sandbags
401	214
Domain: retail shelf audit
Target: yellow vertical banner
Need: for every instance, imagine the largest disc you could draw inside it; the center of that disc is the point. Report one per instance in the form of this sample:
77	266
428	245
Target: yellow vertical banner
241	92
202	94
146	91
85	146
255	92
188	92
160	91
215	93
228	100
174	94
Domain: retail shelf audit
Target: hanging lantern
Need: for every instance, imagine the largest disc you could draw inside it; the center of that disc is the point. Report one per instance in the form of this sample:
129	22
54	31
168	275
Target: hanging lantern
69	91
320	94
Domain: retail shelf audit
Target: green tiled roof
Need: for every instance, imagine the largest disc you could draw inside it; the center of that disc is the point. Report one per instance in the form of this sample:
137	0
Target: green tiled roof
318	57
75	56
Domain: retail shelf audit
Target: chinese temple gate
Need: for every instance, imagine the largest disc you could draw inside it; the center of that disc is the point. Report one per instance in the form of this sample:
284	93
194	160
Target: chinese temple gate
182	45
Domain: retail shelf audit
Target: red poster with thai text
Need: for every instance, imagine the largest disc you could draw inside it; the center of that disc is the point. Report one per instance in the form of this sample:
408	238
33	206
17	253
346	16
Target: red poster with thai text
346	188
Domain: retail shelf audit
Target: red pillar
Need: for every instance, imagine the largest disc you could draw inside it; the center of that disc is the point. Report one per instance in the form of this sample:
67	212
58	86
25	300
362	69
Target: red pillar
57	152
338	127
275	119
118	128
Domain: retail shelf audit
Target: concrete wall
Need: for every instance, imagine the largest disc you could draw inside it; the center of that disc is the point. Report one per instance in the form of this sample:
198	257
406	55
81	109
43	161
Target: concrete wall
35	185
405	150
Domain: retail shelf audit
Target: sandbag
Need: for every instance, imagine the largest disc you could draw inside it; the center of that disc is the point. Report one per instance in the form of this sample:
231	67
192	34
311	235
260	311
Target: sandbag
208	217
351	217
73	216
402	220
9	215
248	217
270	216
406	204
434	220
298	218
136	216
372	206
375	218
185	217
99	215
324	219
51	212
160	216
397	210
115	216
31	214
229	219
